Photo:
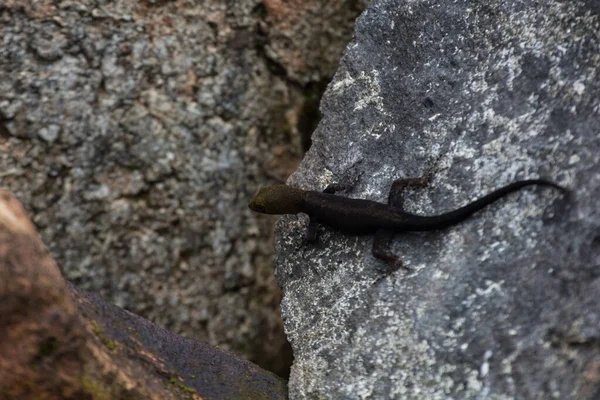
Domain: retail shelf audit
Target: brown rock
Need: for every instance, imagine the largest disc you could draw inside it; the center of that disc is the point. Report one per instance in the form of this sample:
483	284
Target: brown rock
59	342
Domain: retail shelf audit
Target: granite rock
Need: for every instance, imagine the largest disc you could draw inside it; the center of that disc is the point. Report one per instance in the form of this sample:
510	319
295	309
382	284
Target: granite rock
135	132
504	305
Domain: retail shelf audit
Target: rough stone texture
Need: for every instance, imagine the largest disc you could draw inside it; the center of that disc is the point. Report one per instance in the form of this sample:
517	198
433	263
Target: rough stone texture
136	131
58	342
504	305
308	54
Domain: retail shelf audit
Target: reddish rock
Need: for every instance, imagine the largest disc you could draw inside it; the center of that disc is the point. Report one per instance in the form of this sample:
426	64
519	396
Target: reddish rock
58	342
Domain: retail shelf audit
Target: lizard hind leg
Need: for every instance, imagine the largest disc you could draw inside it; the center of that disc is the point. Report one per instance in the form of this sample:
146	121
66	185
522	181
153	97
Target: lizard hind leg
382	249
384	238
396	198
396	195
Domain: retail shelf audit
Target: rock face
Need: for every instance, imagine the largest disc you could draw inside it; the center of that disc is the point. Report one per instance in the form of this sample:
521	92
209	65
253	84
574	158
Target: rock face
61	343
503	305
135	132
307	35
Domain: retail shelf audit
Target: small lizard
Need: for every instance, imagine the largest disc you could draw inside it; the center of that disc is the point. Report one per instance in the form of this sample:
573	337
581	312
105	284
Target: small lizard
358	216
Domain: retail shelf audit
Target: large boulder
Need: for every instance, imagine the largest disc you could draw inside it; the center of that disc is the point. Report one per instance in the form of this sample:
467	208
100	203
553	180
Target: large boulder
135	132
504	305
61	343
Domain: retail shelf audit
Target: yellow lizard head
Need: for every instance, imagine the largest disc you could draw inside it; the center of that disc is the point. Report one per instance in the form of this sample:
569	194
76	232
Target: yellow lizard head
278	199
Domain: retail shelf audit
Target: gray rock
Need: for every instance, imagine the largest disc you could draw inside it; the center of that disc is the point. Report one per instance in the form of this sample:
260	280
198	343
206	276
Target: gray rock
163	119
504	305
49	133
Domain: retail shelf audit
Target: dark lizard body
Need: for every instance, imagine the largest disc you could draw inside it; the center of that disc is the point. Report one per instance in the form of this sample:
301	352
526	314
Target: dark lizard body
359	216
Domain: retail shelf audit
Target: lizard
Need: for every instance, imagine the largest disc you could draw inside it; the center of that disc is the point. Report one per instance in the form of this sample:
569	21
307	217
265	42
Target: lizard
360	216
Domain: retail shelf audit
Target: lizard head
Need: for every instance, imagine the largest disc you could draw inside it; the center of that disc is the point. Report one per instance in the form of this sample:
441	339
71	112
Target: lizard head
278	199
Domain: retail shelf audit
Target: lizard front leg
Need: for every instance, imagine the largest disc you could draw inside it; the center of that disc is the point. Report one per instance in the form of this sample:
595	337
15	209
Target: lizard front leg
337	187
312	230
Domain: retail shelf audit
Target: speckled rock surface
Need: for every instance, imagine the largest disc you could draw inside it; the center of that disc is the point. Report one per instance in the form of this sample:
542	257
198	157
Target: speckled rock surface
135	132
504	305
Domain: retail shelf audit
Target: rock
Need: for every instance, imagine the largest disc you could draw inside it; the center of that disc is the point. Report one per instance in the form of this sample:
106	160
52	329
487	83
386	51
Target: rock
305	53
59	342
50	133
503	305
170	116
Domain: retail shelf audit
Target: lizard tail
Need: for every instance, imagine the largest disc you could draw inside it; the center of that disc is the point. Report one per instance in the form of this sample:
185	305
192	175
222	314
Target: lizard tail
459	215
